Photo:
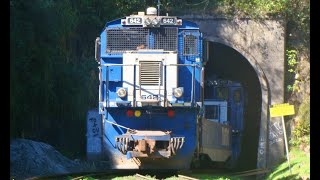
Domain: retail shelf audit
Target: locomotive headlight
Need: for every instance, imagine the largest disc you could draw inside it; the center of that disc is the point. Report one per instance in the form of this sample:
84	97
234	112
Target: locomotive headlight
155	22
121	92
147	22
177	92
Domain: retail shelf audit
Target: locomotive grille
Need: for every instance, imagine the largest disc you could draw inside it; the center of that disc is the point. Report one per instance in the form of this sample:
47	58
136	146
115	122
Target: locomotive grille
150	73
166	38
121	40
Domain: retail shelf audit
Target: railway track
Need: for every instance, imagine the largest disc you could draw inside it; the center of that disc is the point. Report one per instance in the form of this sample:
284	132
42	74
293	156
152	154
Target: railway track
82	175
139	176
107	174
182	177
250	172
162	174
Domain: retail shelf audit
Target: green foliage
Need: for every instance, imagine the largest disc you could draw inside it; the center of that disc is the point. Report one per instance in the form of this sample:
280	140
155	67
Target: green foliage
51	81
301	132
289	88
299	163
256	8
297	14
292	60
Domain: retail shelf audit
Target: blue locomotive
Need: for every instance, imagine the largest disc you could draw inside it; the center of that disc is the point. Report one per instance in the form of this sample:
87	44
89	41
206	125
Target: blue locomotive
224	104
152	113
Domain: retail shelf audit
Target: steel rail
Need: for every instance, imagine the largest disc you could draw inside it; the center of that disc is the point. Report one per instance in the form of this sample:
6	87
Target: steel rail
187	177
143	177
250	172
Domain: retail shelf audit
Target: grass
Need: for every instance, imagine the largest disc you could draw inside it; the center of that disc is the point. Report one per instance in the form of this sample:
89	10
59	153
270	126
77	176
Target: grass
300	166
207	177
128	178
198	176
202	177
299	162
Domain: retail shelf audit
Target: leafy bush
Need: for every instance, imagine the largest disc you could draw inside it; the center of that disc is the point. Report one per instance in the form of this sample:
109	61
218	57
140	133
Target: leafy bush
292	61
301	132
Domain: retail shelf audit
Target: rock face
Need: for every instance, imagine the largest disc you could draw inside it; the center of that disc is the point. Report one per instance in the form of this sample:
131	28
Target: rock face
30	158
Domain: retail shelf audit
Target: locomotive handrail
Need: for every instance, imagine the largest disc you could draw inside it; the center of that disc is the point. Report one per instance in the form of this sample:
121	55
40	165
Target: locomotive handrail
193	85
165	86
129	129
193	78
107	80
163	65
183	65
134	86
107	86
100	86
119	64
165	80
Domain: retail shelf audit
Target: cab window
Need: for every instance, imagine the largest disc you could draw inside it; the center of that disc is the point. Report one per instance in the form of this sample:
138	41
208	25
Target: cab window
222	93
237	96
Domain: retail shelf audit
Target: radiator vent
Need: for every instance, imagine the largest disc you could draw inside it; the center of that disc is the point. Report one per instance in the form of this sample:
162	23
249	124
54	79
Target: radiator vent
150	73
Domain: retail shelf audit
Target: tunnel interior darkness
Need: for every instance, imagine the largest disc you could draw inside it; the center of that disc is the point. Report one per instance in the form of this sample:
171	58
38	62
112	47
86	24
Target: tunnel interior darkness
229	64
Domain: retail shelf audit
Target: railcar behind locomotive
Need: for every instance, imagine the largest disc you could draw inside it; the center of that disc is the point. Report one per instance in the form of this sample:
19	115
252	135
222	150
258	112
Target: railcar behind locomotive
224	104
151	96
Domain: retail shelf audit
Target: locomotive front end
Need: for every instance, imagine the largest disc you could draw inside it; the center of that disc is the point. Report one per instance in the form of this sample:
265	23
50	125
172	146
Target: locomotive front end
150	74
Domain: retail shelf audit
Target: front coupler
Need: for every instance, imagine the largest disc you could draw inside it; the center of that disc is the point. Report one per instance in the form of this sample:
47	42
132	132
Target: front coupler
148	144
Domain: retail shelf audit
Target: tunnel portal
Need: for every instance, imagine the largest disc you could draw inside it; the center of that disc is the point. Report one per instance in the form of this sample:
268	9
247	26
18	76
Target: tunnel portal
253	53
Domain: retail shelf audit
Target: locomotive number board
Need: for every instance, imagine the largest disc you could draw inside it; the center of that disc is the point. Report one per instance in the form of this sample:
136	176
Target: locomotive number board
163	20
168	21
134	21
